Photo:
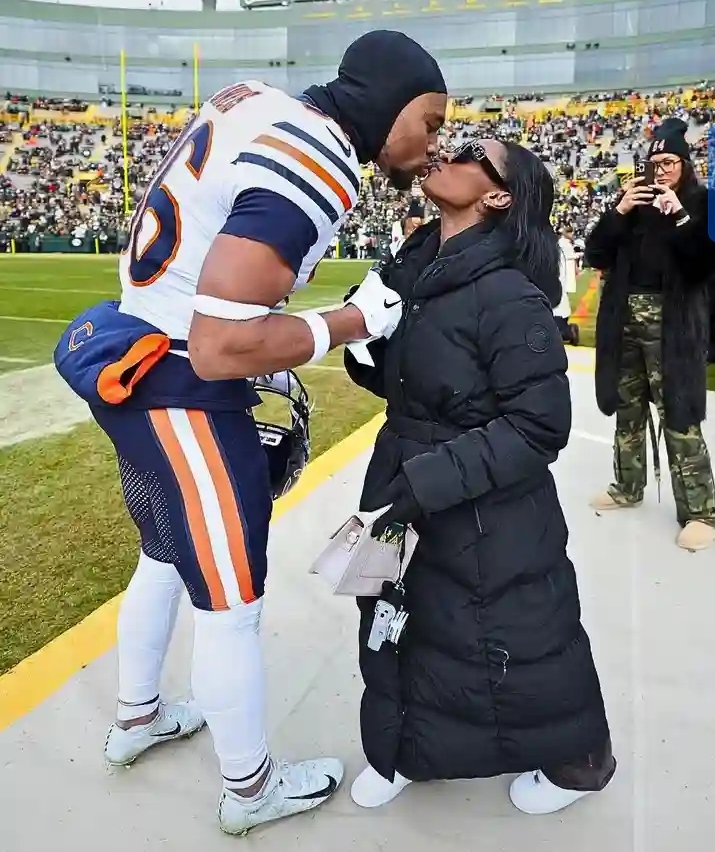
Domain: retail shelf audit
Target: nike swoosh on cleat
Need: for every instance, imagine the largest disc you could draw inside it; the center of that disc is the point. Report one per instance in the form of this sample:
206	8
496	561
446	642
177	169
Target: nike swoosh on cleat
345	149
391	304
173	733
331	787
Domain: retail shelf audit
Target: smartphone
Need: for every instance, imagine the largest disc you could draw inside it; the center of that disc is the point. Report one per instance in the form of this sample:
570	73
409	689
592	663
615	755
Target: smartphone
646	170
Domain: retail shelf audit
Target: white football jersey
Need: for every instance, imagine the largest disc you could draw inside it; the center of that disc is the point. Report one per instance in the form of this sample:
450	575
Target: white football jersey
254	162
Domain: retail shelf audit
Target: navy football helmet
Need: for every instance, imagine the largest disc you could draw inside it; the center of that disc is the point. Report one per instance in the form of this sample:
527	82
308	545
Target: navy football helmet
287	443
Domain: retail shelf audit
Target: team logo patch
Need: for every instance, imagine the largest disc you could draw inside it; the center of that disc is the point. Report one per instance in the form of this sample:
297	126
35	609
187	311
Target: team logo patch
538	338
79	335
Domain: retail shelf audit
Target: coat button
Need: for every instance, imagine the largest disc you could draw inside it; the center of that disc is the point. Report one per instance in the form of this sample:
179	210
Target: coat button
398	261
415	308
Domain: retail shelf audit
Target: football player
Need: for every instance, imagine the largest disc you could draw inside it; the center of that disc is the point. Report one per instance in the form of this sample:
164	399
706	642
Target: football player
238	215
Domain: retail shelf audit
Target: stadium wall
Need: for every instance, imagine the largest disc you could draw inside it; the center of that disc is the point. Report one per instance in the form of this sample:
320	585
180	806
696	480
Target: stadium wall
501	46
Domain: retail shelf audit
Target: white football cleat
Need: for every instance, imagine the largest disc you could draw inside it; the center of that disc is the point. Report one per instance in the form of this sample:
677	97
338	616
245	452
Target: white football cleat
371	790
172	722
533	793
291	788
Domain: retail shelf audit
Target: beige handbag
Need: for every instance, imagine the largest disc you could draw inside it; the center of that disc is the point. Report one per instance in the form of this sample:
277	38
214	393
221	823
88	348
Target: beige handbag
354	563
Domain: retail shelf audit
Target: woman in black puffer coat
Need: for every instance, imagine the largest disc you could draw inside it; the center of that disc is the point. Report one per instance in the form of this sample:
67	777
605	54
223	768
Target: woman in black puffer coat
494	672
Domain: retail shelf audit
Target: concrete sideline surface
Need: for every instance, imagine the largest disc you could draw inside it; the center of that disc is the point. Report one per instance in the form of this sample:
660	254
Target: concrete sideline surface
646	606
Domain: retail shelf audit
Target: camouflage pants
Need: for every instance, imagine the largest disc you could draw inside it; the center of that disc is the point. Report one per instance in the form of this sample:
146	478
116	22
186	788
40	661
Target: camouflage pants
641	381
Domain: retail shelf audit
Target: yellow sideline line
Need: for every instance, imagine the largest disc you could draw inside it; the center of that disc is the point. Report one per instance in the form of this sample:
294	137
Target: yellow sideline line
34	679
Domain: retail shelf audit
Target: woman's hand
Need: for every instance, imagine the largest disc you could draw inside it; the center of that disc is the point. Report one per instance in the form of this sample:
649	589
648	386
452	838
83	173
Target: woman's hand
636	195
404	509
667	202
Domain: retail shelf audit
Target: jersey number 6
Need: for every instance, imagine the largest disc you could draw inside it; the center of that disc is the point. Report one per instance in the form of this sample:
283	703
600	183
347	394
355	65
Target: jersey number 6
160	205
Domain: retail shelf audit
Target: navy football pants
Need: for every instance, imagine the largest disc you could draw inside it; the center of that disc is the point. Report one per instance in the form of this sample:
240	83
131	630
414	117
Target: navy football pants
196	485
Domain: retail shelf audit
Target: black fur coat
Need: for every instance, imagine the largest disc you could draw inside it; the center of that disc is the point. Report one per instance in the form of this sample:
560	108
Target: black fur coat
686	256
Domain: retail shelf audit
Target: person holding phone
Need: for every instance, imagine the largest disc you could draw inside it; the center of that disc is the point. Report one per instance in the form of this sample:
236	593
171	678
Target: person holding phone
652	331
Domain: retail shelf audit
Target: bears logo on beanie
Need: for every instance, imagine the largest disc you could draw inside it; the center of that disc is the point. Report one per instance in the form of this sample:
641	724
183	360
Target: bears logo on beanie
669	138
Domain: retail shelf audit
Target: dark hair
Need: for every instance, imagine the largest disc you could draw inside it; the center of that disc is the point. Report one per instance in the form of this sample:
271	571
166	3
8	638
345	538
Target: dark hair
689	183
528	219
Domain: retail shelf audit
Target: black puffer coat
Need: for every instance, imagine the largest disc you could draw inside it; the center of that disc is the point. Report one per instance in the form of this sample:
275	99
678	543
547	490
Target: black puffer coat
494	673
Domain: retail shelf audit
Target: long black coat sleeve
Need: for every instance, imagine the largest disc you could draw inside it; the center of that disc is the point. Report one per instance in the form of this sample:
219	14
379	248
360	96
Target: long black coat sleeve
522	351
690	243
604	240
369	378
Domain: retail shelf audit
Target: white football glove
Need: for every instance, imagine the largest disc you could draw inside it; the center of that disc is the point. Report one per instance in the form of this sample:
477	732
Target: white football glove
280	381
360	351
380	306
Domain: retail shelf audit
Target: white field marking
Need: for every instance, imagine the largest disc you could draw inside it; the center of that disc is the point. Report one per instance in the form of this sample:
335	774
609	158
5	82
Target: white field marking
113	294
588	436
36	402
54	255
322	367
4	287
93	256
35	319
6	359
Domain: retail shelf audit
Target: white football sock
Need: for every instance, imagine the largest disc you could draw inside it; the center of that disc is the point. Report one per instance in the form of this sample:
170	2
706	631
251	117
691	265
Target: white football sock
229	688
144	627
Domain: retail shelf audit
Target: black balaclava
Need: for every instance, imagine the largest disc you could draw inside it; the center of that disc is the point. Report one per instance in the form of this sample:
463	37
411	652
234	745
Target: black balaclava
380	73
669	138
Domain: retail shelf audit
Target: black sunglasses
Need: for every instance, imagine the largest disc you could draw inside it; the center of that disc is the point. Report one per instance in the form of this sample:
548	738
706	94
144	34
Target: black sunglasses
473	152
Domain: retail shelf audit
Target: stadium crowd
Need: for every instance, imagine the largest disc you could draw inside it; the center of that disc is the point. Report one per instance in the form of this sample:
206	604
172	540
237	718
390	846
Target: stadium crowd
65	177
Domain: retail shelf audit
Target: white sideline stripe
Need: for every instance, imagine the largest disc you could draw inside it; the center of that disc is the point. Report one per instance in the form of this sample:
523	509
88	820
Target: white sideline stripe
588	436
56	290
68	321
208	497
6	359
35	319
322	367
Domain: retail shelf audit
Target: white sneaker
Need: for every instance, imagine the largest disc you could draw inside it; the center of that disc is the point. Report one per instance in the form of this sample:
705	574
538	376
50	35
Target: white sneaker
291	788
173	721
370	789
533	793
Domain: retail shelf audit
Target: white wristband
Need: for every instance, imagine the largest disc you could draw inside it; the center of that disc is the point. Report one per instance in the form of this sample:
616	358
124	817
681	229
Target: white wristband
320	331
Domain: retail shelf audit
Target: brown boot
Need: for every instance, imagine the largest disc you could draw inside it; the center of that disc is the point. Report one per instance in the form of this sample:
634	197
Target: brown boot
696	535
606	502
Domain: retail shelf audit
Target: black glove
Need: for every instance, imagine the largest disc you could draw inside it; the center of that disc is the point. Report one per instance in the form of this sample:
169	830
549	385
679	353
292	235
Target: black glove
404	509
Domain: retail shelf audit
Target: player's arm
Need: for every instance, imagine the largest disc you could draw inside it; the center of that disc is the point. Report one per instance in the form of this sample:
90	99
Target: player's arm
251	267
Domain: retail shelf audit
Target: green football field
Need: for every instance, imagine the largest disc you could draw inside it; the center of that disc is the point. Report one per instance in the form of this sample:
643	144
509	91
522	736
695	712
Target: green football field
40	294
66	545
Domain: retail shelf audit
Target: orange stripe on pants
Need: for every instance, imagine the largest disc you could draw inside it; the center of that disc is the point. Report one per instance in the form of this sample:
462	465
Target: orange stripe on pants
192	503
230	512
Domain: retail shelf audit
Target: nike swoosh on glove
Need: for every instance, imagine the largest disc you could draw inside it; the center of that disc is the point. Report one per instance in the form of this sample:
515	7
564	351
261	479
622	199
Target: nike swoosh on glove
380	306
404	509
